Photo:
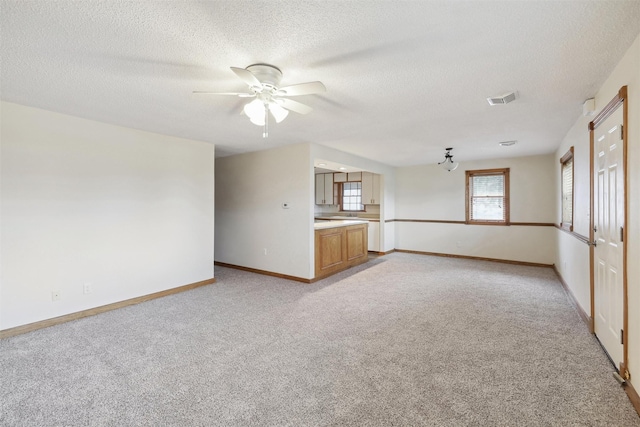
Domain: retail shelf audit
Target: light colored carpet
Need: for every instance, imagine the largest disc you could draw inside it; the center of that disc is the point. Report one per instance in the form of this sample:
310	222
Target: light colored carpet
404	340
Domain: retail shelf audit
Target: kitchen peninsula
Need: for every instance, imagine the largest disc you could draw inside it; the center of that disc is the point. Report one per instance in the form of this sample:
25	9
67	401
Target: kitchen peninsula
339	245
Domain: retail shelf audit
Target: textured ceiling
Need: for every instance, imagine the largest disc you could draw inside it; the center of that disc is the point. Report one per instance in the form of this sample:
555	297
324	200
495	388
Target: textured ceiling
404	79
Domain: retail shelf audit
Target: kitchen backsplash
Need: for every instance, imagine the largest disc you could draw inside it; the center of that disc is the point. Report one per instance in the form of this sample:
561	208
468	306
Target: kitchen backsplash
371	211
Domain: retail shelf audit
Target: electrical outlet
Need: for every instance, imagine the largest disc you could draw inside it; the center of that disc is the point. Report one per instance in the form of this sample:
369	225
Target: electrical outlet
55	295
264	250
87	288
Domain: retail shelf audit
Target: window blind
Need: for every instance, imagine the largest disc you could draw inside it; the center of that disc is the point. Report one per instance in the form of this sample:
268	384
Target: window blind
352	196
487	197
567	192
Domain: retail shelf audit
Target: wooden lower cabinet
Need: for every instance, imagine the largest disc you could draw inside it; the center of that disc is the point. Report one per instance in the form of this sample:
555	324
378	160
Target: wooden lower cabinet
339	248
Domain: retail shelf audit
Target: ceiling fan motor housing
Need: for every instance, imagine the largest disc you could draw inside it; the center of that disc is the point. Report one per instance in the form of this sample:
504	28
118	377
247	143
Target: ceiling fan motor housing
267	74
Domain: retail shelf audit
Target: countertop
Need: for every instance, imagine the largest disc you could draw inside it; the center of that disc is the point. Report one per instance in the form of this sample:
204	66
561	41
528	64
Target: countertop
338	223
347	218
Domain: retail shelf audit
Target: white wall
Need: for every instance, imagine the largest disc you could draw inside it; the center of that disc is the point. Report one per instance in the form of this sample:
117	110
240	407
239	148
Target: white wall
429	192
130	212
575	255
250	189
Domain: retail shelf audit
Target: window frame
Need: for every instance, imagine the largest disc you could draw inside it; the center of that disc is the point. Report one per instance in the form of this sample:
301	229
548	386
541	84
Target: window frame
505	197
563	161
341	195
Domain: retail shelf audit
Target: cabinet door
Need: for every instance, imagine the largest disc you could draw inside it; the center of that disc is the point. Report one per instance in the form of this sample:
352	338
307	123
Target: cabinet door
367	188
319	189
374	236
370	188
328	189
375	192
354	176
357	243
340	177
330	251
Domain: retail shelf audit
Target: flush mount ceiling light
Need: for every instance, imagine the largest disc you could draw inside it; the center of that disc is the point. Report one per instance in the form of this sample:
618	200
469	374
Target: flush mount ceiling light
503	99
507	143
448	164
264	86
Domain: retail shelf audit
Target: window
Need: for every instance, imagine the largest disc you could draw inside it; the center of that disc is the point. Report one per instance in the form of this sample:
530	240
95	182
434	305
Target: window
352	196
566	171
488	197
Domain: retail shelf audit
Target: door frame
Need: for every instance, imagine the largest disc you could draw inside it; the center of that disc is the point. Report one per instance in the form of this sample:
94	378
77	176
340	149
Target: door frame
620	100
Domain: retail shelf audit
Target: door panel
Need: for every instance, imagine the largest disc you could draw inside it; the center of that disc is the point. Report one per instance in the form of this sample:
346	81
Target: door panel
356	243
608	253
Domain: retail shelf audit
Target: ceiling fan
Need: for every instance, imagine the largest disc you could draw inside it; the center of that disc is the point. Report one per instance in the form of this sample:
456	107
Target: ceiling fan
264	86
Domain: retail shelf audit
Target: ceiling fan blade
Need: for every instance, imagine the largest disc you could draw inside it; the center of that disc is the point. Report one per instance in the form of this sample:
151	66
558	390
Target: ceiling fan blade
240	94
294	106
302	89
246	76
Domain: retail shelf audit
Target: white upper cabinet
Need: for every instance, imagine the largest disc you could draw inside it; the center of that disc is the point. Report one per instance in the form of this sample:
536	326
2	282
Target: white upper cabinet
324	189
328	189
354	176
370	188
340	177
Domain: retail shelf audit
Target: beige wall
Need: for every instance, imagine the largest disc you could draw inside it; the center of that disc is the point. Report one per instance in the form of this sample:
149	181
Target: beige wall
573	256
130	212
250	190
429	192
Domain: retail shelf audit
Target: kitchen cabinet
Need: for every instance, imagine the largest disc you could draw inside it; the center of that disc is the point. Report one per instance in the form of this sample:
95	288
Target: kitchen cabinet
370	188
340	177
340	247
324	189
354	176
374	236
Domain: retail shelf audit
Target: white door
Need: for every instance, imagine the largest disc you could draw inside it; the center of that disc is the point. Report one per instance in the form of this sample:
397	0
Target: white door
608	255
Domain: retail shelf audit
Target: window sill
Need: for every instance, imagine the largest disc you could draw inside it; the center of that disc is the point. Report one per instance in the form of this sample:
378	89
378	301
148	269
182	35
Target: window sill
487	223
566	227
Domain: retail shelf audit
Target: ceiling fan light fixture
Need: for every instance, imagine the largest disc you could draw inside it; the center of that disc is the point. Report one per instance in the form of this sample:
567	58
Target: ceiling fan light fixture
278	112
257	121
264	84
448	164
255	111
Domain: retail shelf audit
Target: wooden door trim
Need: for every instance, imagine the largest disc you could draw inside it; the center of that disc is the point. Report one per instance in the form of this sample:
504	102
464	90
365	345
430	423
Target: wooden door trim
608	109
621	99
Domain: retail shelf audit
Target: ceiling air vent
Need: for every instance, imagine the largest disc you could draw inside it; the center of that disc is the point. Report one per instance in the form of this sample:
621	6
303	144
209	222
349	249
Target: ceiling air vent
504	99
